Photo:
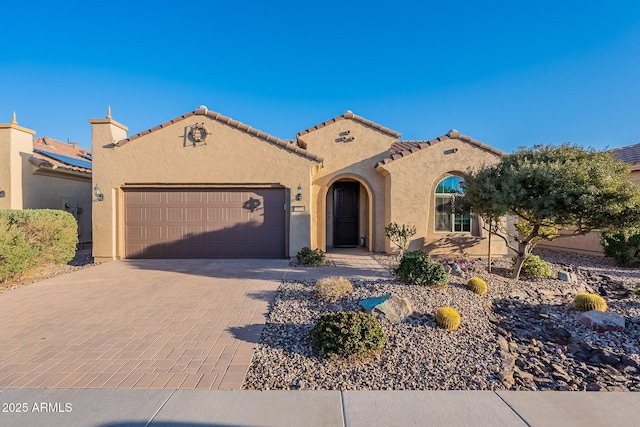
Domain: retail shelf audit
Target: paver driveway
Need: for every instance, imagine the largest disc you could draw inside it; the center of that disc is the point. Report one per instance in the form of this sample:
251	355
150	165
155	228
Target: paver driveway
138	324
148	323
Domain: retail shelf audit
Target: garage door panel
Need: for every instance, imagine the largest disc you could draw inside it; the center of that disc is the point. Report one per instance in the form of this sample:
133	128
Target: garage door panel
211	223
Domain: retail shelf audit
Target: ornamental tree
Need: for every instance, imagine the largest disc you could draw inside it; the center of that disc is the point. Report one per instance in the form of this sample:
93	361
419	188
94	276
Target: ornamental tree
400	235
548	188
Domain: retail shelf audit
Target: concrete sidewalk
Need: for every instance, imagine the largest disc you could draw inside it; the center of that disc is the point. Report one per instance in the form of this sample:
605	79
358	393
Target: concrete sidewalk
101	407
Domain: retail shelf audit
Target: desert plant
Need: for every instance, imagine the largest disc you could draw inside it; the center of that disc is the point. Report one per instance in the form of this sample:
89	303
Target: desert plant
447	318
623	247
587	302
333	288
636	290
31	238
534	266
311	257
345	334
477	285
400	235
417	268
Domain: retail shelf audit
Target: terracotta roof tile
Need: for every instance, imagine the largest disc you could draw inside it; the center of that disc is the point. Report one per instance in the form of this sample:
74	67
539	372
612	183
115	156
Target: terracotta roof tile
629	154
405	148
349	115
44	145
203	111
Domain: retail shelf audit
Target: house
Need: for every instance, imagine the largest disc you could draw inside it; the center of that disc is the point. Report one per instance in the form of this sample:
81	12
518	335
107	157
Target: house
203	185
43	173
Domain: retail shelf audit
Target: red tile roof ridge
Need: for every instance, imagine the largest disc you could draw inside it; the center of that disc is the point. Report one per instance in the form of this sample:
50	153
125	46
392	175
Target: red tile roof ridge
203	111
349	115
403	148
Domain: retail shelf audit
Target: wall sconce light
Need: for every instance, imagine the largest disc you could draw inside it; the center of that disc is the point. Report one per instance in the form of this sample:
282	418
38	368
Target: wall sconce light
97	192
2	193
299	194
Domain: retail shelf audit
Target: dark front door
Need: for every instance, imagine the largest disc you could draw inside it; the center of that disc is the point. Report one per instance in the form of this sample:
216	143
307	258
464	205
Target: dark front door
346	196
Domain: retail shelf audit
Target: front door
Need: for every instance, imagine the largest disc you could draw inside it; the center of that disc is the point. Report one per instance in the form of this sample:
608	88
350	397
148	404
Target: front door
346	196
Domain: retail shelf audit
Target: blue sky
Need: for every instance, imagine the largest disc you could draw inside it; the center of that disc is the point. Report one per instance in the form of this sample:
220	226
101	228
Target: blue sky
507	73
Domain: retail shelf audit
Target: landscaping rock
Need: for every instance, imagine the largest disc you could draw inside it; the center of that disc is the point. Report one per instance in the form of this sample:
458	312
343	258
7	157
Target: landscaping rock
567	276
390	307
602	321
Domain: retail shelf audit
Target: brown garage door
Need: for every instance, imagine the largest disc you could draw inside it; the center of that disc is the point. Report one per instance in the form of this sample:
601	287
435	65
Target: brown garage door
204	223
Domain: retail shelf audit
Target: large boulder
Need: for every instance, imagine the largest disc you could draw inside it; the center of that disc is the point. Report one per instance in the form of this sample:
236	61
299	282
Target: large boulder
602	321
390	307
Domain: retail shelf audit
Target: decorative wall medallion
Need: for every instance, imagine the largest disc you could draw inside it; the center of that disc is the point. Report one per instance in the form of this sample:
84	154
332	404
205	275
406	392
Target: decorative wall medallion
198	133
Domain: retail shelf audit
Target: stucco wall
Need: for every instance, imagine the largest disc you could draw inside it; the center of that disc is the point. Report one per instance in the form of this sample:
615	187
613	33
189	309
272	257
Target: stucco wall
412	184
355	160
53	191
16	144
168	156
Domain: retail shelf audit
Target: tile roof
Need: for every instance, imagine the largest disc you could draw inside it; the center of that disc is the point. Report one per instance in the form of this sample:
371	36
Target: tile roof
203	111
405	148
629	154
50	153
349	115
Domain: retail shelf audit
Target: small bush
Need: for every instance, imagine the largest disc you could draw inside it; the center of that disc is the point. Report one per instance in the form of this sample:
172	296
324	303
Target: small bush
534	266
636	290
447	318
400	235
311	257
417	268
623	247
477	285
588	302
345	334
31	238
333	288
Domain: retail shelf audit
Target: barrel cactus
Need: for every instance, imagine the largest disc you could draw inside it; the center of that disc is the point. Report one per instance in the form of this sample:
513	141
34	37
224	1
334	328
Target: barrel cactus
447	318
477	285
587	302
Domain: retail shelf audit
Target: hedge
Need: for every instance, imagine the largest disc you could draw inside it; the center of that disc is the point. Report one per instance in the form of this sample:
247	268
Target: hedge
34	237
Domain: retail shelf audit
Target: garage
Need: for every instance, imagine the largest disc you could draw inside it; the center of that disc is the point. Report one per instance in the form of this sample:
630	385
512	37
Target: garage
204	223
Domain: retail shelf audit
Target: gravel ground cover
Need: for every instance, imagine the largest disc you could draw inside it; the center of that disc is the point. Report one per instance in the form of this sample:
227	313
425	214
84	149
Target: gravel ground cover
521	335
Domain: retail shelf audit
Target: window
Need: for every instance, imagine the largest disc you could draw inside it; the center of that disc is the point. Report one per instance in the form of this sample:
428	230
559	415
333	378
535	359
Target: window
450	217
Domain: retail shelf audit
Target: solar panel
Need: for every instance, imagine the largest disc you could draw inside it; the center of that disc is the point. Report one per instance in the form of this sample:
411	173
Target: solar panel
66	159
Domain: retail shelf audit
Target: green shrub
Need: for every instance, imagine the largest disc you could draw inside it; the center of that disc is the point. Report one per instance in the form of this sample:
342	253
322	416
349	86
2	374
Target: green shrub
312	257
333	288
417	268
32	238
623	247
447	318
588	302
534	266
400	235
345	334
477	285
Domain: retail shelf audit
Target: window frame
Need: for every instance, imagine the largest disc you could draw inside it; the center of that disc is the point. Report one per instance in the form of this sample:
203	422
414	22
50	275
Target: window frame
444	199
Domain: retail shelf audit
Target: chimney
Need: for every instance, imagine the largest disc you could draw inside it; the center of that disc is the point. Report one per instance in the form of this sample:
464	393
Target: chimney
16	146
106	131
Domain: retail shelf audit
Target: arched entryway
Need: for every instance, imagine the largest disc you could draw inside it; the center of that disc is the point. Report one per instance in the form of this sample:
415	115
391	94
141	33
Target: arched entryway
348	214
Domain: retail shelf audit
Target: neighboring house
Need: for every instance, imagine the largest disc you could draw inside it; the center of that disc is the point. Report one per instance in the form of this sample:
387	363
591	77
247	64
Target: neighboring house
590	243
203	185
43	173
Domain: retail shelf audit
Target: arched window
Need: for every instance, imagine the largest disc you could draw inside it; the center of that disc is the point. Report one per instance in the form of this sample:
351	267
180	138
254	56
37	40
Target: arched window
449	216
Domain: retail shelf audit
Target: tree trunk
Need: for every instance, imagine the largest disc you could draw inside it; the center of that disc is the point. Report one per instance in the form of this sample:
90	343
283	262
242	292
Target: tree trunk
489	250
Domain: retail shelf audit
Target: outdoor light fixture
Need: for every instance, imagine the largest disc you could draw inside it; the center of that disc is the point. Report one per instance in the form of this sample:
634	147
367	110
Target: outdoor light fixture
97	192
2	193
299	195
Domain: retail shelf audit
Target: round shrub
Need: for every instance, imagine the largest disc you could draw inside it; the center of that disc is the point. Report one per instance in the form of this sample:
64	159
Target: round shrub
477	285
345	334
333	288
447	318
534	266
416	268
311	257
588	302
